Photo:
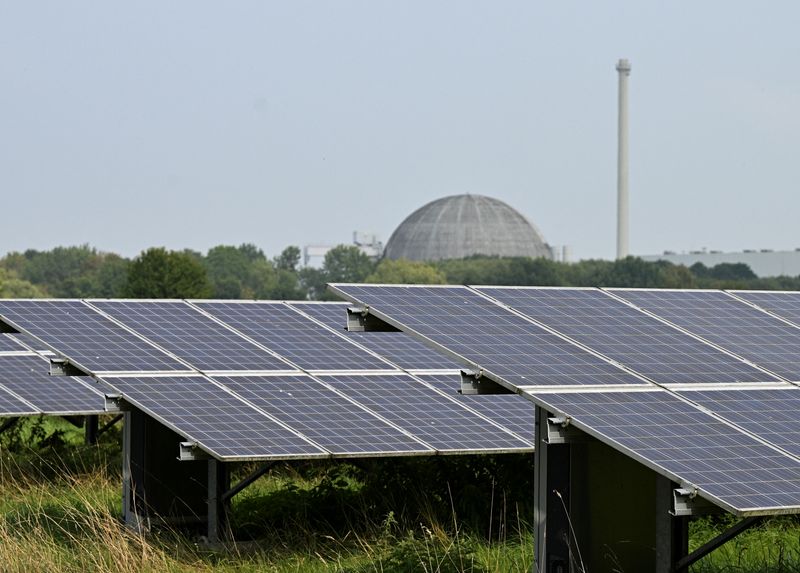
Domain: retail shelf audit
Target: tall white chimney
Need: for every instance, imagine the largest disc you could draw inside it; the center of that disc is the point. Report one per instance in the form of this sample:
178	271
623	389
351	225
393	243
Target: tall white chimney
624	70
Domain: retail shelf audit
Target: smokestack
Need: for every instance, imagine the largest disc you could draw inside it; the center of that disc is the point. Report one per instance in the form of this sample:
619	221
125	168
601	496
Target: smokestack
624	70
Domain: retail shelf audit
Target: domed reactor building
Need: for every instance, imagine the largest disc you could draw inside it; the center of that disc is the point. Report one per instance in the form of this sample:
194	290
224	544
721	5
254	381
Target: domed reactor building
464	225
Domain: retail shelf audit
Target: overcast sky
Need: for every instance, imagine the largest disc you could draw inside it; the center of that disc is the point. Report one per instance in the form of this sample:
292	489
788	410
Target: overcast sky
191	124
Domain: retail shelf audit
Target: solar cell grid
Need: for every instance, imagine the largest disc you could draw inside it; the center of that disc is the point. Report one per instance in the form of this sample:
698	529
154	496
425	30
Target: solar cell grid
669	433
86	337
324	416
784	304
422	411
10	405
729	323
8	344
511	411
293	336
488	335
771	414
222	423
628	336
28	377
399	347
190	335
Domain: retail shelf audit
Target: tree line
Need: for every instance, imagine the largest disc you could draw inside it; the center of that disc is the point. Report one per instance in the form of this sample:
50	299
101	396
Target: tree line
244	271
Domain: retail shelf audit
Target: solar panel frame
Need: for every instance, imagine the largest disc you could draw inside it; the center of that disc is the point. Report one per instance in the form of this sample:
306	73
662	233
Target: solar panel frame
577	367
198	339
211	425
83	345
725	321
672	418
625	334
420	409
300	341
330	419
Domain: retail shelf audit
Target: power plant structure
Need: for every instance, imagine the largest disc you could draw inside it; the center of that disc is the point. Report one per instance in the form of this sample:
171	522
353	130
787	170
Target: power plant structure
624	71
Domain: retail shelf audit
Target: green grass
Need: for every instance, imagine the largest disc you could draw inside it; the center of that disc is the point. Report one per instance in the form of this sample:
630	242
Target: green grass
60	501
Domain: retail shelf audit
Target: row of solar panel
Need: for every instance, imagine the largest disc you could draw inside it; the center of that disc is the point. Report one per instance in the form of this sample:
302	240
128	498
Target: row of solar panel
557	336
27	389
737	444
286	413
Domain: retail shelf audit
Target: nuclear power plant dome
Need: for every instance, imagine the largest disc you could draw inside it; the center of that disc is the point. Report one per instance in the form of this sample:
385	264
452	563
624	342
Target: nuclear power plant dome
464	225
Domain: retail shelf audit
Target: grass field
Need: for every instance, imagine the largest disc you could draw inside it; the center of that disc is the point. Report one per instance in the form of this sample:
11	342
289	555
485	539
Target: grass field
60	501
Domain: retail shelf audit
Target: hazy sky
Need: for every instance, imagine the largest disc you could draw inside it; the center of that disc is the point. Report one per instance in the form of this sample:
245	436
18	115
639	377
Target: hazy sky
191	124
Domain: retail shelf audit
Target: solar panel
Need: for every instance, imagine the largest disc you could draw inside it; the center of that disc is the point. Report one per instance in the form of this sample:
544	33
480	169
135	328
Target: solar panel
488	335
221	423
28	342
771	414
12	406
402	349
691	446
624	334
437	420
784	304
326	417
729	323
511	411
28	377
293	336
8	344
191	336
90	340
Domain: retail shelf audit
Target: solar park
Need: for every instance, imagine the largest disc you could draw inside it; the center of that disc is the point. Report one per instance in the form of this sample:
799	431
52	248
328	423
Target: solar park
643	408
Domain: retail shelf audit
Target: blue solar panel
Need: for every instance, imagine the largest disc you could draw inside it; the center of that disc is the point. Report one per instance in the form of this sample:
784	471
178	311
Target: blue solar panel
8	344
191	336
28	377
221	423
784	304
511	411
12	406
87	338
293	336
771	414
487	335
627	335
437	420
687	444
321	414
399	347
729	323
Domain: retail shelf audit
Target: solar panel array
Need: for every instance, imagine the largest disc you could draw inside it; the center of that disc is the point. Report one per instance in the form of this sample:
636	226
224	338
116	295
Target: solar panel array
246	390
489	336
26	388
609	326
729	323
718	415
402	349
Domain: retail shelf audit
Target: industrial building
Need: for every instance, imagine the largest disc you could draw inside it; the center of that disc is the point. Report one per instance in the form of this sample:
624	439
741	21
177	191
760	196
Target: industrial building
764	262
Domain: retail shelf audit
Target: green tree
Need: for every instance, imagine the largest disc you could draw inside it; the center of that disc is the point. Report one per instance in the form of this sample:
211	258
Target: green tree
404	271
288	260
158	273
347	264
11	286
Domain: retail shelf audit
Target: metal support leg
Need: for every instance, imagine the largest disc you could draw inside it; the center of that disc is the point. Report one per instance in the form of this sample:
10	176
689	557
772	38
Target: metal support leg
226	497
217	502
720	540
130	515
91	425
540	492
108	425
